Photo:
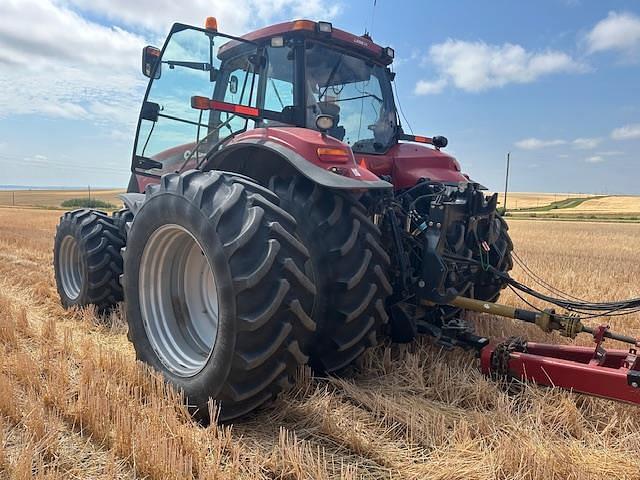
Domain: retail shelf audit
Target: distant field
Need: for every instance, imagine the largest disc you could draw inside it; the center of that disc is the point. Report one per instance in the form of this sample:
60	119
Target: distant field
518	200
526	204
53	198
626	204
620	207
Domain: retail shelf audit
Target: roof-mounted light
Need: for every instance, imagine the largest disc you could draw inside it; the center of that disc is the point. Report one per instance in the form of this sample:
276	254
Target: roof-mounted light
303	25
211	23
324	27
389	52
277	42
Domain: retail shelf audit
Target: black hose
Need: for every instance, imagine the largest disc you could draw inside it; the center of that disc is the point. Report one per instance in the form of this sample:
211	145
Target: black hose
584	309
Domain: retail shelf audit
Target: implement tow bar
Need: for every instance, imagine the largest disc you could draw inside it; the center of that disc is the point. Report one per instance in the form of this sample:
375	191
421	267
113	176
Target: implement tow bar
612	374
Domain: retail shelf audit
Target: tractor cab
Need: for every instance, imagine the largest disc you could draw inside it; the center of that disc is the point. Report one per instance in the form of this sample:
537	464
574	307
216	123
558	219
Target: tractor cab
208	89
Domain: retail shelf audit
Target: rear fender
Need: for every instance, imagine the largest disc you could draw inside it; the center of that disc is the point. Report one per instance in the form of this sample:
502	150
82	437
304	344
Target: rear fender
260	158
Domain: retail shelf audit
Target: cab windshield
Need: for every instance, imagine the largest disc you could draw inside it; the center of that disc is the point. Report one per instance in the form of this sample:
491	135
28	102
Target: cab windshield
356	93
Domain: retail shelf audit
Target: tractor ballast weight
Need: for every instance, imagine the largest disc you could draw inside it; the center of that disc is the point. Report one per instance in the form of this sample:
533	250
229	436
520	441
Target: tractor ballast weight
278	215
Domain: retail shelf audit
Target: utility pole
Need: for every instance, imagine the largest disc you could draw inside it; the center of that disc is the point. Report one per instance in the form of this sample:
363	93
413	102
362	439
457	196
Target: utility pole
506	183
89	188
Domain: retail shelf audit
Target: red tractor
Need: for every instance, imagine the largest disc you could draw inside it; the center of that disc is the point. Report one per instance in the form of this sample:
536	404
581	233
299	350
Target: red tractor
278	215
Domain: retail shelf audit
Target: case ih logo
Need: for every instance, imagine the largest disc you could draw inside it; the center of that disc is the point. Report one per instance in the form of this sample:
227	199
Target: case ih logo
364	43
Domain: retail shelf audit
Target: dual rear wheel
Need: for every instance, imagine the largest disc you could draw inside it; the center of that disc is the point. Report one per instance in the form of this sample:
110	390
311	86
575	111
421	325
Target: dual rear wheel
230	287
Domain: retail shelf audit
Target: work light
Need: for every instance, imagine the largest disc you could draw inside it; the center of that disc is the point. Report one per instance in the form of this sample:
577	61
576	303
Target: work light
325	27
324	122
277	42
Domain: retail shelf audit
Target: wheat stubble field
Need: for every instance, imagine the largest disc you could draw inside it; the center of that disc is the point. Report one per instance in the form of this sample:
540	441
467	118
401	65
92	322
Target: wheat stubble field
74	403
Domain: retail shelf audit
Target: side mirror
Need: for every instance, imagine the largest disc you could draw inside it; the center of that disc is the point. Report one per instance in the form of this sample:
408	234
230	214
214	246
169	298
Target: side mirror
233	84
151	62
439	141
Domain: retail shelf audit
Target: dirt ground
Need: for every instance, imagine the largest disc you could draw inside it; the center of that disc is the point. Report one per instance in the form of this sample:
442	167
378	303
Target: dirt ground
74	404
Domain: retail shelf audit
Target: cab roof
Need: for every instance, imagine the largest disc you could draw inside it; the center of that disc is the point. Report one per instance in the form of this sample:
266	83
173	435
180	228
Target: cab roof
309	28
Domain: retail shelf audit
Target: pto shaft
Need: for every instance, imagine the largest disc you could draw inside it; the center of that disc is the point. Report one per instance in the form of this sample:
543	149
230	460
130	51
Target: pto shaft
494	308
547	320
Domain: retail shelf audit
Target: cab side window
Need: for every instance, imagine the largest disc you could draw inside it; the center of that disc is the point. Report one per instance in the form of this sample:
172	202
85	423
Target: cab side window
241	89
278	93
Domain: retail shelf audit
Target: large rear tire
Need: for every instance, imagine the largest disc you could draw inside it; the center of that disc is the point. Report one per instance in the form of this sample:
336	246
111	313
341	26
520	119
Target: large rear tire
489	285
349	267
217	297
87	260
121	218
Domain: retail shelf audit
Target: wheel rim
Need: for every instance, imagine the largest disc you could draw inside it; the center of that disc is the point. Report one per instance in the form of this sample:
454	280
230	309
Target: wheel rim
71	267
178	300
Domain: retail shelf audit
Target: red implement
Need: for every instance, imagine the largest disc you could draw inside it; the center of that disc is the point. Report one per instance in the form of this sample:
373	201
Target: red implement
613	374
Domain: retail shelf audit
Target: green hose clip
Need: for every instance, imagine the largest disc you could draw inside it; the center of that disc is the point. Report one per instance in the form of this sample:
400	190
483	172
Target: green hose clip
485	265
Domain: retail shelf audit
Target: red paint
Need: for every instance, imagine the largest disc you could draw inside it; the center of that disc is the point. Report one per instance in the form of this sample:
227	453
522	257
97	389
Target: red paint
239	109
337	36
573	368
408	162
305	142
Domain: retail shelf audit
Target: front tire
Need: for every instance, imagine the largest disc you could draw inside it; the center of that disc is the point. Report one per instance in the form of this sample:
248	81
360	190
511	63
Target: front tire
349	267
87	260
217	298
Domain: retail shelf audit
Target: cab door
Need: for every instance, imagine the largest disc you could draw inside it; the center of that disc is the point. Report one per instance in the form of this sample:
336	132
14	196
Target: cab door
171	135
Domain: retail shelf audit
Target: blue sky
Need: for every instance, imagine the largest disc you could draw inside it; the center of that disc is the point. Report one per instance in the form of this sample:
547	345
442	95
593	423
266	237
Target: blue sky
556	82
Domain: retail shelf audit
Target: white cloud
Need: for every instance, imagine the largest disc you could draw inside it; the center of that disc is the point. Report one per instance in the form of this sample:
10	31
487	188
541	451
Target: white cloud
619	31
586	143
61	35
536	143
66	64
594	159
627	132
55	62
582	143
563	155
424	87
235	17
611	153
478	66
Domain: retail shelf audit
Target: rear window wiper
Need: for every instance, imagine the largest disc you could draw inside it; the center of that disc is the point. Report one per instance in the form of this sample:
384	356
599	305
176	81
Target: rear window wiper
366	95
205	67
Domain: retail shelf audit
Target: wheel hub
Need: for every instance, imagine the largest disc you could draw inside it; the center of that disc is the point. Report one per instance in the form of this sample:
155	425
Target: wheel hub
71	267
178	300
